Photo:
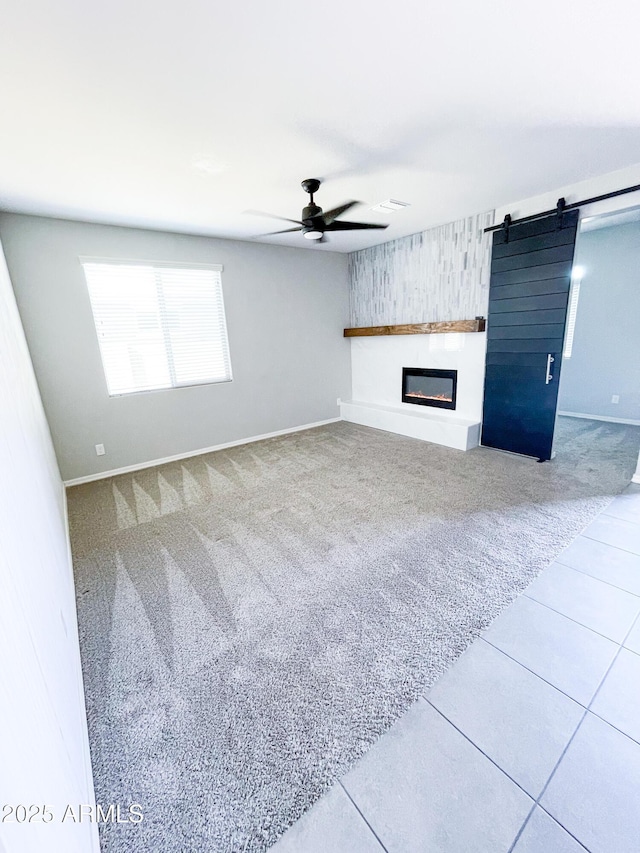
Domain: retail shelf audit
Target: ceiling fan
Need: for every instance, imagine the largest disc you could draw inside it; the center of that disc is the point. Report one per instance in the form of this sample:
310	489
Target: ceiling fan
313	222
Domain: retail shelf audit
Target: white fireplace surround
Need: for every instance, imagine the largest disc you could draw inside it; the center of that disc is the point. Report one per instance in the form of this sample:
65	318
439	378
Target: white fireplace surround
376	364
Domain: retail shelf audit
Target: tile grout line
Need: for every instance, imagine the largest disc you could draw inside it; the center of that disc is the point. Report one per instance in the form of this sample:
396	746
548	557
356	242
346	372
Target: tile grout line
579	726
564	828
555	820
619	517
537	675
524	666
475	746
566	695
522	828
559	562
555	767
535	800
611	726
589	523
575	621
626	550
361	813
615	658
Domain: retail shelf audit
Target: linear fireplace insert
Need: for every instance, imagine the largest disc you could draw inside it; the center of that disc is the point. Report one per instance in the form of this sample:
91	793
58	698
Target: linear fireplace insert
429	387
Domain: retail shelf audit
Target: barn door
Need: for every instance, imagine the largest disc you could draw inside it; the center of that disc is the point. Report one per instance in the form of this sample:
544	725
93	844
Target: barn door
529	289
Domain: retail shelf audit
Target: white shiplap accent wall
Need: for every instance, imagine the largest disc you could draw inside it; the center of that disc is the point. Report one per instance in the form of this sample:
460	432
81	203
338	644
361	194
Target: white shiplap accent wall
439	274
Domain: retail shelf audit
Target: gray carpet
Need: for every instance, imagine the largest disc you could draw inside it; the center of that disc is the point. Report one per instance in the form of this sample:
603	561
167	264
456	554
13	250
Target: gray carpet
253	619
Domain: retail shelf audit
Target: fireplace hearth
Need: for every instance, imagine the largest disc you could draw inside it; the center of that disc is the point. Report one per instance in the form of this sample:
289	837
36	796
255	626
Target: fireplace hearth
429	387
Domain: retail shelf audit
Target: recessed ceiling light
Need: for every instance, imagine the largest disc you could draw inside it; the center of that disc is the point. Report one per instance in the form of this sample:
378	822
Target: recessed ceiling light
390	206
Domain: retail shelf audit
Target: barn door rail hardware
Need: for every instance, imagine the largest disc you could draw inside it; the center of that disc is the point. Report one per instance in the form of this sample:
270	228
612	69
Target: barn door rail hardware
560	208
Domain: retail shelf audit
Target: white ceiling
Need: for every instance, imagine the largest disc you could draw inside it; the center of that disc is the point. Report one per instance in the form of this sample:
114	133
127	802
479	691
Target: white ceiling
110	110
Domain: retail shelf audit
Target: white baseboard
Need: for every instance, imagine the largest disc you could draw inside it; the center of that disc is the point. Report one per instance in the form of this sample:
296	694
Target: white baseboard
635	478
629	421
103	475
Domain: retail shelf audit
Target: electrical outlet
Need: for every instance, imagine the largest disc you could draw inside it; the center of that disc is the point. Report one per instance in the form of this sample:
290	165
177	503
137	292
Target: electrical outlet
615	398
100	450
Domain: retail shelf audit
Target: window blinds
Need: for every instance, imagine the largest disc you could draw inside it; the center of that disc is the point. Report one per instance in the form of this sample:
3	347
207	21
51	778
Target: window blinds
571	318
158	326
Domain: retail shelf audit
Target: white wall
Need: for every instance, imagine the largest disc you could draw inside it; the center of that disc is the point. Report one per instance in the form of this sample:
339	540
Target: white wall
43	738
377	362
286	309
605	359
589	188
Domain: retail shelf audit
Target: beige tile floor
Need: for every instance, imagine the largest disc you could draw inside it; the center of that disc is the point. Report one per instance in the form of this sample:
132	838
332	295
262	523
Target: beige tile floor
530	743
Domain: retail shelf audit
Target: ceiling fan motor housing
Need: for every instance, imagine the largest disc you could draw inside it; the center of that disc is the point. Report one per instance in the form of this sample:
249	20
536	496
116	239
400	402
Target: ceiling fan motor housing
310	212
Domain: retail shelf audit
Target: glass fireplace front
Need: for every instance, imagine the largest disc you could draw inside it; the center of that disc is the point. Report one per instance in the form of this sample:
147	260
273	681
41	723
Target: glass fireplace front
429	387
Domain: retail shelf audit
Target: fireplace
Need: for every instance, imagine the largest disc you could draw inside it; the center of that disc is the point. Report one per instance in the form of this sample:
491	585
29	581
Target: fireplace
427	387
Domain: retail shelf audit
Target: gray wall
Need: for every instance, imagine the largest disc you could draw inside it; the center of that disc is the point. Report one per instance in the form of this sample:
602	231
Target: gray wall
44	750
606	346
439	274
286	309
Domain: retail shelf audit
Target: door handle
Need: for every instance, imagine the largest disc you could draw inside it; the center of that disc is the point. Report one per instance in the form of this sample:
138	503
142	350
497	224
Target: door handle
549	374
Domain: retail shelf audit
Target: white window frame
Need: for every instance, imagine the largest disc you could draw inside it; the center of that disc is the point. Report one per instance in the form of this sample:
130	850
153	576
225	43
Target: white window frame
175	385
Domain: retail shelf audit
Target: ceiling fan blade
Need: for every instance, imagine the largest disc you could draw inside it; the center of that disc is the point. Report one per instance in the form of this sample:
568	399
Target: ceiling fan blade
335	212
285	231
351	226
272	216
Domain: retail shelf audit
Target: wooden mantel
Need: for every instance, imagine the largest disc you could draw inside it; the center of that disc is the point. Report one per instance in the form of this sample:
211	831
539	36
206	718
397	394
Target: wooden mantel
477	325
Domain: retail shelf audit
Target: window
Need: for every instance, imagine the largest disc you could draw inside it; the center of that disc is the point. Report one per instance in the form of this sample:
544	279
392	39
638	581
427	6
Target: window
571	317
158	325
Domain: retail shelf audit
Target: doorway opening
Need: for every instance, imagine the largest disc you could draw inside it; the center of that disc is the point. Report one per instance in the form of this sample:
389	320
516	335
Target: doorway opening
599	391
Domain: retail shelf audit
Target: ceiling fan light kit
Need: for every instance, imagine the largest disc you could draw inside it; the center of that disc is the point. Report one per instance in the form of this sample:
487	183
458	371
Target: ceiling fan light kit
314	223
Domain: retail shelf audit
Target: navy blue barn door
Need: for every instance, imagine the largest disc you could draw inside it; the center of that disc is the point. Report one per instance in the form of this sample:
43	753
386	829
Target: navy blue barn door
529	290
